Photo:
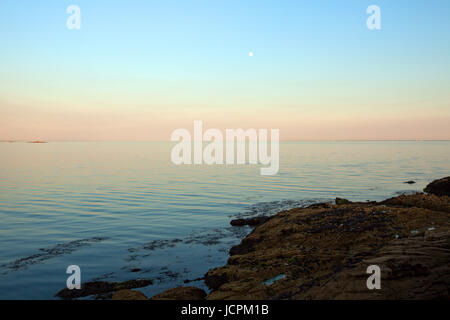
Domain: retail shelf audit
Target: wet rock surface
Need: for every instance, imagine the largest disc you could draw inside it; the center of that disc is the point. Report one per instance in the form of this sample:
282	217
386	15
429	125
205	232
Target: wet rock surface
127	294
412	268
323	251
440	187
249	221
101	288
181	293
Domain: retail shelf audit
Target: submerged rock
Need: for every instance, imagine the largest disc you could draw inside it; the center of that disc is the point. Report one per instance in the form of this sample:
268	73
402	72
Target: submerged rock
249	222
193	280
100	288
439	187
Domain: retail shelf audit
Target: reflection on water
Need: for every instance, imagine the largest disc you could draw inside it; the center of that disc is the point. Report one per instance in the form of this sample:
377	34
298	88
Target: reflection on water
124	211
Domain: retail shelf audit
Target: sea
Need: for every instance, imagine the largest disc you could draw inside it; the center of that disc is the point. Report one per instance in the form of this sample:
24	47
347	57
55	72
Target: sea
123	210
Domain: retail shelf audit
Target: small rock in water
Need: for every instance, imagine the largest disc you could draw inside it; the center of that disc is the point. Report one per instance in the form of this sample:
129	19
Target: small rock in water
193	280
250	222
342	201
410	182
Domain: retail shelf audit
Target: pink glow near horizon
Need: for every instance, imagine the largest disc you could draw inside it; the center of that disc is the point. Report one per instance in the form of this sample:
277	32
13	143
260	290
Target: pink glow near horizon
157	126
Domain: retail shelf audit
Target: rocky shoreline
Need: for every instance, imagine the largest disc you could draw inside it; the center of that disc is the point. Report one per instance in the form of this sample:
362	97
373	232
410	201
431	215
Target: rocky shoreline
323	251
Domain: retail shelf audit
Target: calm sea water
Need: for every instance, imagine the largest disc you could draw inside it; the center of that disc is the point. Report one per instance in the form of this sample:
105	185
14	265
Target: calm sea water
123	211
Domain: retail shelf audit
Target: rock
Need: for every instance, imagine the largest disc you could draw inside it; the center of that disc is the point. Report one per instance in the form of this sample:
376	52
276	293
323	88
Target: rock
323	252
413	268
341	201
245	246
320	205
127	294
193	280
249	222
131	284
87	289
100	288
439	187
214	279
420	200
409	182
181	293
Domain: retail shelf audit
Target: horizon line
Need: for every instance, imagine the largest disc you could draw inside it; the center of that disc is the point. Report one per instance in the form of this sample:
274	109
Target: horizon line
284	140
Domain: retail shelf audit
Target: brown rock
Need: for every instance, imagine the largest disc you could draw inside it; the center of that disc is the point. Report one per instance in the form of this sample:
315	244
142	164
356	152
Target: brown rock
127	294
342	201
411	268
214	279
249	222
439	187
322	252
420	200
181	293
101	287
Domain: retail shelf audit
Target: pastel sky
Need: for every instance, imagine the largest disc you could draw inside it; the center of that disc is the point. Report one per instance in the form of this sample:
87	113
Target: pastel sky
137	70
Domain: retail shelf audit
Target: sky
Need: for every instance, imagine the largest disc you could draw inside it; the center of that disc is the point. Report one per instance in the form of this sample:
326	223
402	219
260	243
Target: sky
138	70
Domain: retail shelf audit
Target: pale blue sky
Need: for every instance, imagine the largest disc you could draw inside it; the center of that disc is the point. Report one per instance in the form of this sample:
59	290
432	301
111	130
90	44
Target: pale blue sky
180	60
